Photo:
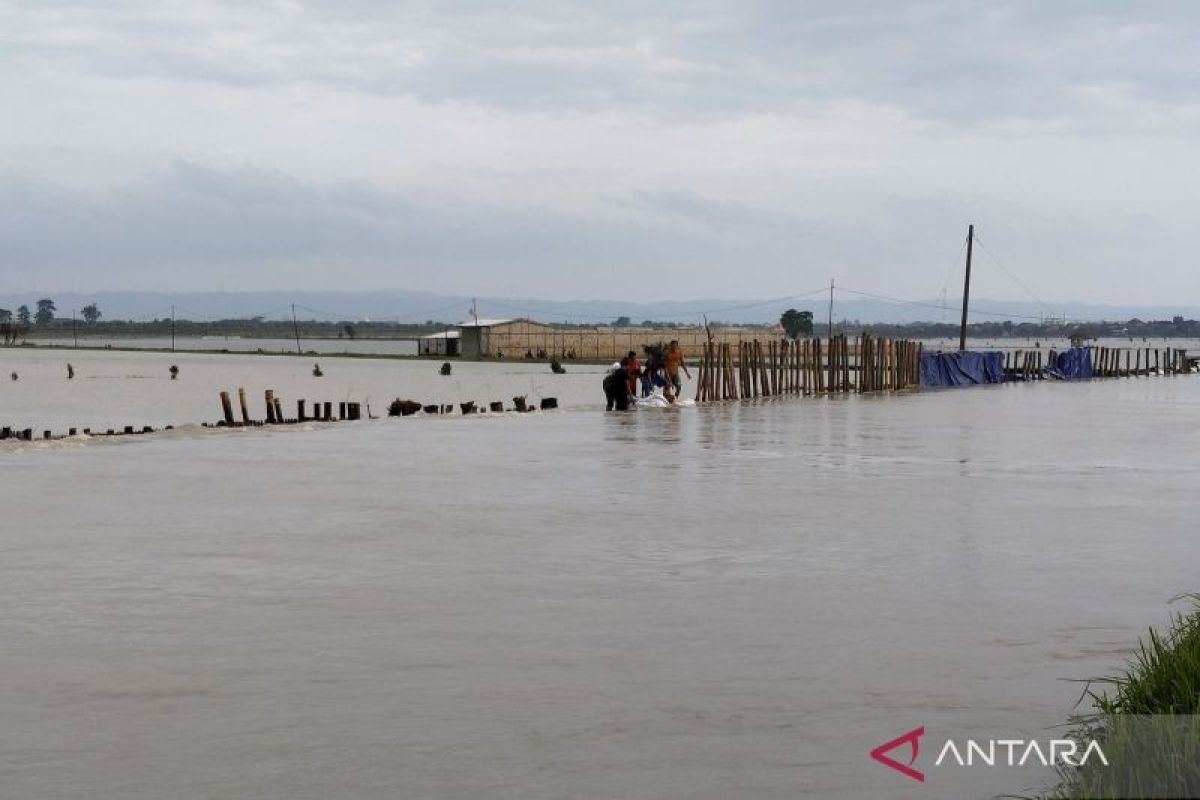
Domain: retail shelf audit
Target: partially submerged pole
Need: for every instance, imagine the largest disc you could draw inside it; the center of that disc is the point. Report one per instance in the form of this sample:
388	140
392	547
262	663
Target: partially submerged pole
227	409
962	331
295	328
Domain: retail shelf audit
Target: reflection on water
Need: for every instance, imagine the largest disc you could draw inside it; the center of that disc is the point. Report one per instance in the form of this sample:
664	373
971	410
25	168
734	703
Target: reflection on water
738	600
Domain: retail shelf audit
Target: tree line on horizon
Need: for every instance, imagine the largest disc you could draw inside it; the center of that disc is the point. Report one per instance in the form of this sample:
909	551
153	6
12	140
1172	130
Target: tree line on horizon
794	323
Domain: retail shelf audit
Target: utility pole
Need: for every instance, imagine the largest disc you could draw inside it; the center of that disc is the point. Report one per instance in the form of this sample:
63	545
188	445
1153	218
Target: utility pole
74	330
962	331
295	329
831	309
172	327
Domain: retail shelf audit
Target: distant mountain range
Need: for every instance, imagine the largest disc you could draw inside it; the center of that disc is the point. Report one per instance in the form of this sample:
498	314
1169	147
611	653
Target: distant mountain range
409	306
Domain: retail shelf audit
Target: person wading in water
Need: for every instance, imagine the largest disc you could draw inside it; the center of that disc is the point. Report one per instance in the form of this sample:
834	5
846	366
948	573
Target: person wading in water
616	389
673	360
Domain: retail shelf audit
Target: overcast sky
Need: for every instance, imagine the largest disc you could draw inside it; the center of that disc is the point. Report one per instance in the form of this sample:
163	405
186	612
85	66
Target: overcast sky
564	150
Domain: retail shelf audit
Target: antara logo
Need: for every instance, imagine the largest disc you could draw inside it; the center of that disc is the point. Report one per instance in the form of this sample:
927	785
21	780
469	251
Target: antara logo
913	740
989	752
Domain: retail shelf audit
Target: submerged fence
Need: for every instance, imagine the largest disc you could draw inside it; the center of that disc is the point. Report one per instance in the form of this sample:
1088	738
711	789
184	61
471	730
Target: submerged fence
730	371
1098	362
734	371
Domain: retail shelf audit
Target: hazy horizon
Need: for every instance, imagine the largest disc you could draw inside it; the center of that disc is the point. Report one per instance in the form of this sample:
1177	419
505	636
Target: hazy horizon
411	306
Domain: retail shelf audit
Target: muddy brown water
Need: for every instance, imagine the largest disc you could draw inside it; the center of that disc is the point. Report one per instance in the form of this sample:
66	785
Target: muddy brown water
737	600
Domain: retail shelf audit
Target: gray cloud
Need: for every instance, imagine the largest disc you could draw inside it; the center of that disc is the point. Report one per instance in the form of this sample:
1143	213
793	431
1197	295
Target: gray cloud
573	148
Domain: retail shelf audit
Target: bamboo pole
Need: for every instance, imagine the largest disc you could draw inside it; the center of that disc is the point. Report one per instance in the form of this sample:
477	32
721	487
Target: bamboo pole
730	376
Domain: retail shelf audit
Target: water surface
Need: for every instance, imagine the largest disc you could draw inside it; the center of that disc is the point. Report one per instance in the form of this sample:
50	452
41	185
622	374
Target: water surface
737	600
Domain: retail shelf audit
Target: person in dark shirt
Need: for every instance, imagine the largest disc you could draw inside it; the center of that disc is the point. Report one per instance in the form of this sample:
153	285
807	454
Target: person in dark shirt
616	389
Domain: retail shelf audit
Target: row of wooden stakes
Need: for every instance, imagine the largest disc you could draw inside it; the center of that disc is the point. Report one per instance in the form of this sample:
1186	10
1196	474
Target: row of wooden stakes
406	408
26	434
351	411
321	412
747	369
1107	362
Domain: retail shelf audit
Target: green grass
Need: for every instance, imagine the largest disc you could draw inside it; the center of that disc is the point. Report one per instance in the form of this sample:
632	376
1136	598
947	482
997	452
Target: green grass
1147	720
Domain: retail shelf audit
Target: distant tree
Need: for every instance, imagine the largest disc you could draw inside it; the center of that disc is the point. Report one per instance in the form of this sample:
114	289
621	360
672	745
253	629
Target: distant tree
23	315
5	315
622	322
797	323
91	313
349	329
45	311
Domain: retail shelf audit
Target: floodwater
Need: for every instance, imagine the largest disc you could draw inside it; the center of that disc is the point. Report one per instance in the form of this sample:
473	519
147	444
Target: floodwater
731	601
239	344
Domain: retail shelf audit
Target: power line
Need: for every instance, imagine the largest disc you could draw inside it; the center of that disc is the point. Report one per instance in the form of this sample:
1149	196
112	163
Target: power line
934	305
1015	279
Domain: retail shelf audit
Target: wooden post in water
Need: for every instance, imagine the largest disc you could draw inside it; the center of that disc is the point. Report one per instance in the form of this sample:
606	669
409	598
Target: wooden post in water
269	397
818	366
866	361
764	369
805	346
717	364
278	410
300	410
830	365
845	363
775	383
227	409
706	370
748	370
864	358
711	384
242	402
727	388
730	378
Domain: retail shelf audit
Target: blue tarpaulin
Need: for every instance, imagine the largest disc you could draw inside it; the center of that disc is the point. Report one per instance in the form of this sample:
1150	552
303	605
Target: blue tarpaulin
964	368
1073	364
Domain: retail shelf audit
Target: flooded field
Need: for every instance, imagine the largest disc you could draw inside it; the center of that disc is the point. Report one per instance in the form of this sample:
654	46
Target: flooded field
239	344
115	388
732	601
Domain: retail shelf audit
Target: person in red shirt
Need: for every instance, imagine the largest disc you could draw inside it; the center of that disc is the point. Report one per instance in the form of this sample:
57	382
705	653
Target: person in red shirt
633	369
